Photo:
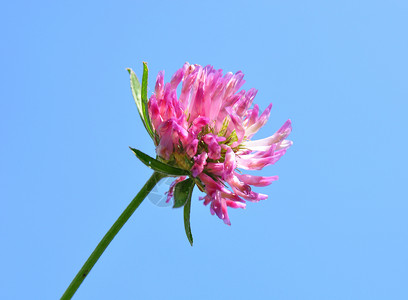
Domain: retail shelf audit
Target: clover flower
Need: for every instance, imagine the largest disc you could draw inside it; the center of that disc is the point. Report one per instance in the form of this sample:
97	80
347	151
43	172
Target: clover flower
202	137
207	130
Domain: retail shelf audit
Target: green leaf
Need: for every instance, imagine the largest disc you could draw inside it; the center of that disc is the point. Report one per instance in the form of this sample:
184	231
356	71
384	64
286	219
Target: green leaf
136	90
182	192
187	227
145	100
137	96
158	165
144	82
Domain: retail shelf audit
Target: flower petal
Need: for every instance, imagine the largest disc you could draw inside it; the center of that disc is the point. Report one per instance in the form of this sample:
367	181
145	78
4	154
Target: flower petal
159	88
199	163
256	180
251	130
278	137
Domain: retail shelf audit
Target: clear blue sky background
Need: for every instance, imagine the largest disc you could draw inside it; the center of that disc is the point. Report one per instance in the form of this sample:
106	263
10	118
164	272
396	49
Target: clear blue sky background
335	225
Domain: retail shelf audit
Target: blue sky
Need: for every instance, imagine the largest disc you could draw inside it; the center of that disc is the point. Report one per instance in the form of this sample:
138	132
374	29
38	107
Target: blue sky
335	225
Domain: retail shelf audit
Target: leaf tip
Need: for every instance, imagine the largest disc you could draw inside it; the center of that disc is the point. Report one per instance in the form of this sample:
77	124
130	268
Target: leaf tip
133	150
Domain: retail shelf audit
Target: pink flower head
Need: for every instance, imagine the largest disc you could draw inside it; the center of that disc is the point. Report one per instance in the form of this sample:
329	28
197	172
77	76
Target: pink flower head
207	130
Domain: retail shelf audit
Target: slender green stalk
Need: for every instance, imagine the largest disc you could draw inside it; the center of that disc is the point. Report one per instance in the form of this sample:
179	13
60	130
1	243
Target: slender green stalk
103	244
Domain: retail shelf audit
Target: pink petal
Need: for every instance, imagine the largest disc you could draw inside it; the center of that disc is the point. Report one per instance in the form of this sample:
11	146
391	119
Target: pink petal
239	130
198	125
229	162
188	85
278	137
253	116
234	84
191	148
259	163
159	88
214	149
170	133
165	147
256	180
199	163
178	76
219	207
154	112
235	204
215	168
197	105
251	130
284	145
245	102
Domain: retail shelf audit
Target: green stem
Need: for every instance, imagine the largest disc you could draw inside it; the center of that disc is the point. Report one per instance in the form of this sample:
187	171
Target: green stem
104	243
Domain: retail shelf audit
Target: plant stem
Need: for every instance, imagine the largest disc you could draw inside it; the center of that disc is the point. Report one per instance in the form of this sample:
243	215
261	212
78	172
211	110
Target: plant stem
104	243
